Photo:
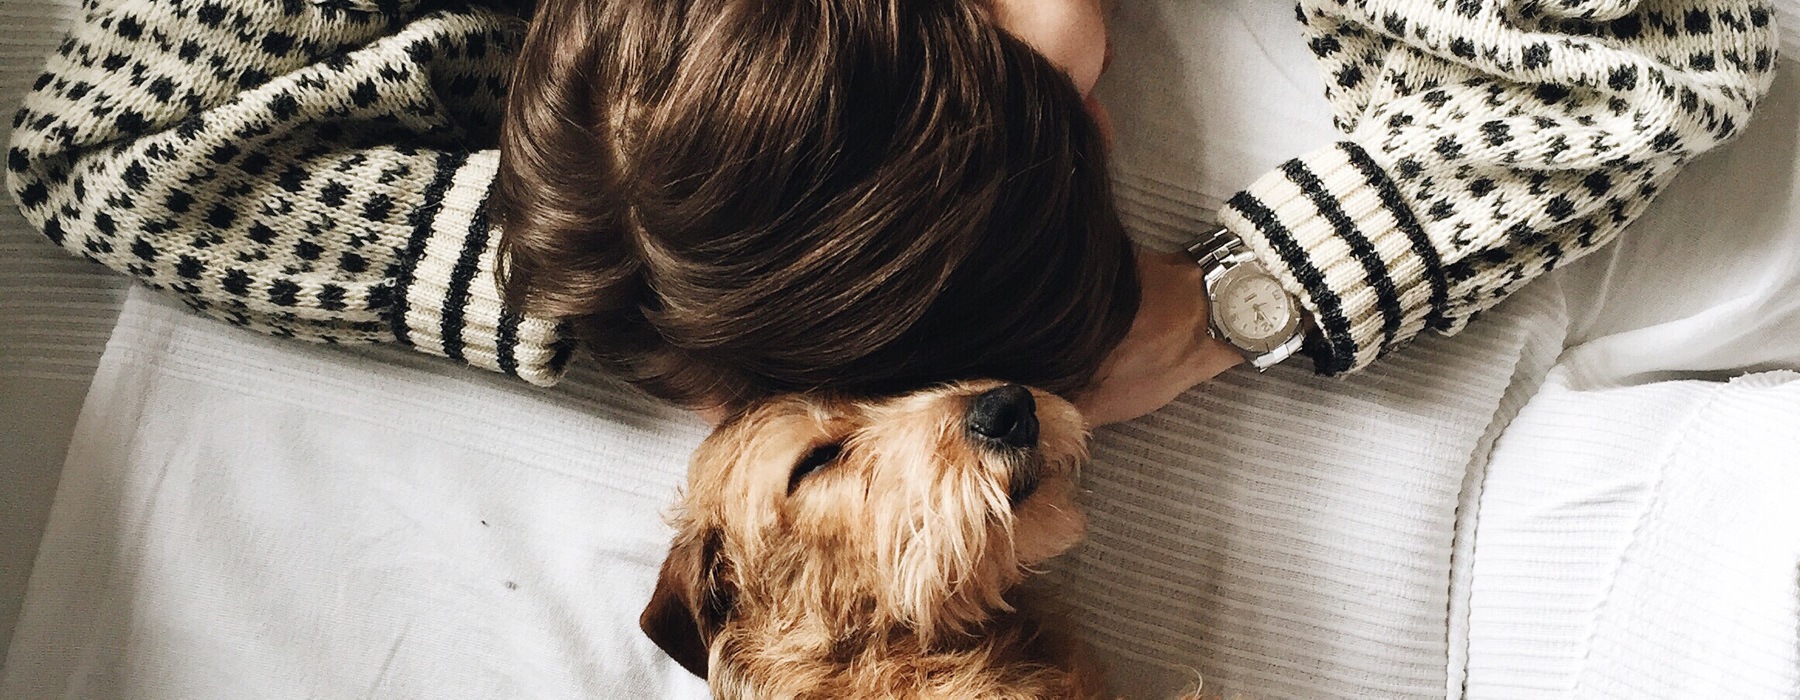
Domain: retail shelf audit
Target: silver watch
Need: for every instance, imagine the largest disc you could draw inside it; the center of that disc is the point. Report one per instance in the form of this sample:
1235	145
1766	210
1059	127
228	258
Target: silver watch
1250	310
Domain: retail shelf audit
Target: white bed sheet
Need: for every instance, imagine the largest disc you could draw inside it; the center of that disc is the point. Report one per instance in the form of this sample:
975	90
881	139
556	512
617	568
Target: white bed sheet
245	517
241	516
1642	541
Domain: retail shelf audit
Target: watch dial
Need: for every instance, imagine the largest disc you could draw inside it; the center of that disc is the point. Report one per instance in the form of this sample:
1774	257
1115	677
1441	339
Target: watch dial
1254	307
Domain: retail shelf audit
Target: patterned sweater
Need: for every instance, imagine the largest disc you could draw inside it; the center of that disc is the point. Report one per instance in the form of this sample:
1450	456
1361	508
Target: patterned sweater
318	168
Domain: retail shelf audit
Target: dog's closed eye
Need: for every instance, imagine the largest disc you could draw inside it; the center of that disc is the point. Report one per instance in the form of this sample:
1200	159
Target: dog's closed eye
815	459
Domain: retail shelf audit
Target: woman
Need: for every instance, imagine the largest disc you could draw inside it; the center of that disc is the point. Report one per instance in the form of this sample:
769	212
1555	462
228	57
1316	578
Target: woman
321	170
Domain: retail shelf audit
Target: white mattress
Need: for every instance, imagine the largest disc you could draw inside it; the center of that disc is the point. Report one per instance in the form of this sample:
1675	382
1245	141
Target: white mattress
1531	508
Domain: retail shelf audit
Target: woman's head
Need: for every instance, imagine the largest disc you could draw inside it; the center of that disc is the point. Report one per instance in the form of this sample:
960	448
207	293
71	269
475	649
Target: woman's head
730	198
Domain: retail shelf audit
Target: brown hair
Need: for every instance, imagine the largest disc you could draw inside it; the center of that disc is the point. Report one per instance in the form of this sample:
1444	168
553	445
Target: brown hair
731	198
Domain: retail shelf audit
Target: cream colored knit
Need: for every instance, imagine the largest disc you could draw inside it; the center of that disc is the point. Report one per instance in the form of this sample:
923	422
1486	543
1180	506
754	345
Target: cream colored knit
1487	143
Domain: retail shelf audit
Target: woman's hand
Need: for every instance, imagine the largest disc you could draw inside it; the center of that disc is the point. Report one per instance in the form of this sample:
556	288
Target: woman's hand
1168	349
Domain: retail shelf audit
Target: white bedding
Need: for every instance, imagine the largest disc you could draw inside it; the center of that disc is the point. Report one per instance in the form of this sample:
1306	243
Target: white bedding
246	517
243	517
1642	542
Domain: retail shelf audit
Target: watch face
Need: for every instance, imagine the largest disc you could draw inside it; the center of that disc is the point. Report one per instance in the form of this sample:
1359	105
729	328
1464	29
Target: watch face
1253	307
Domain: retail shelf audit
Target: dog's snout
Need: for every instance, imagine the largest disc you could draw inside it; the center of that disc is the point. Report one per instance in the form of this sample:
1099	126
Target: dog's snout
1007	415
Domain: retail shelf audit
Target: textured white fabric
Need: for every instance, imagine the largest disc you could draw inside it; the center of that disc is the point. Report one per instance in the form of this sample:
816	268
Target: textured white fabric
242	516
1290	536
1642	542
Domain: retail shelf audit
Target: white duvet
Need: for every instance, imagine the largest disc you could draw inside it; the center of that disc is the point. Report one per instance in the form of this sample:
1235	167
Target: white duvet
1573	498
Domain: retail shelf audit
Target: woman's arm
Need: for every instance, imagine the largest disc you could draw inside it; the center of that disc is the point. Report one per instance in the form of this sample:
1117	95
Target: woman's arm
1489	142
312	169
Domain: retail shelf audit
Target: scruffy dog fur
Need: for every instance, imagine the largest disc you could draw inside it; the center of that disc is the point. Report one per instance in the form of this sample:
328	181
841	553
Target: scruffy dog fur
875	549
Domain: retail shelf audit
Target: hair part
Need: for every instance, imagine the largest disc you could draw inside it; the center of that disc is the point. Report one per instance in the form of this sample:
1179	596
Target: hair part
728	199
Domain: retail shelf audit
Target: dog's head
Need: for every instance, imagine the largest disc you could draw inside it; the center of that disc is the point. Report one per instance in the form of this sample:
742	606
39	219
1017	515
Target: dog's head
832	518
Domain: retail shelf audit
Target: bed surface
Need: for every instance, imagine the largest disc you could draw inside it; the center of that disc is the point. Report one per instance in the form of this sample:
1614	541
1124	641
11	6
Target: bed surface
1586	493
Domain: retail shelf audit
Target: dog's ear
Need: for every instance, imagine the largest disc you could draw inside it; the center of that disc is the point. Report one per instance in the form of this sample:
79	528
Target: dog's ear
691	602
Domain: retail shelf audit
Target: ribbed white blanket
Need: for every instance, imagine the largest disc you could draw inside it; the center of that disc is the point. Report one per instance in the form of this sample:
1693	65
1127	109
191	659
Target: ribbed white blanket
1642	542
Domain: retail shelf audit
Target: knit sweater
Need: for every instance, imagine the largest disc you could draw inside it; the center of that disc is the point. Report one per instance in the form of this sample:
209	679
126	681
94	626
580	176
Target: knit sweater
1487	142
318	168
314	169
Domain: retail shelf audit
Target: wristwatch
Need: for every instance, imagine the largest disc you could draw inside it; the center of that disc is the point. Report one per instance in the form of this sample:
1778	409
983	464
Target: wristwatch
1250	310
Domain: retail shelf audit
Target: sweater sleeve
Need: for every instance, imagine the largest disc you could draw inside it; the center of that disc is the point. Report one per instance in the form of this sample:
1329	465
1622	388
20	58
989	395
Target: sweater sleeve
1487	143
314	169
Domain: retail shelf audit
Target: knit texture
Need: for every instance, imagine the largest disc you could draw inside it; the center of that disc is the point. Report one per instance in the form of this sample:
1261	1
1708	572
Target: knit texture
313	170
1488	143
318	169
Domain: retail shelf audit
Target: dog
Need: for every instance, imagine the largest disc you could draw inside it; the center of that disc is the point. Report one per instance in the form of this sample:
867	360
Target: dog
836	548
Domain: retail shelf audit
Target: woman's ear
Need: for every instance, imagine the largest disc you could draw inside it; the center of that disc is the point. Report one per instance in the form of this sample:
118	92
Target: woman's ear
691	602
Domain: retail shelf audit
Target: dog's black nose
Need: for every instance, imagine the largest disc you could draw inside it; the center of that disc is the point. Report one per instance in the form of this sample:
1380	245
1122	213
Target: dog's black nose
1006	415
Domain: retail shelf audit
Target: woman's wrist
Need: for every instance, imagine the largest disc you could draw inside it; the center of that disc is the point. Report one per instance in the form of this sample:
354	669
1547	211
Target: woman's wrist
1169	349
1182	285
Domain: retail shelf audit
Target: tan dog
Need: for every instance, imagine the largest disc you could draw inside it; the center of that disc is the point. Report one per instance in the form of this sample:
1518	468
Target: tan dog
874	549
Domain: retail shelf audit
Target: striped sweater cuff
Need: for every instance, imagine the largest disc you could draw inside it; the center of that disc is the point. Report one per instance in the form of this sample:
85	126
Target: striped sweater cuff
1338	233
448	301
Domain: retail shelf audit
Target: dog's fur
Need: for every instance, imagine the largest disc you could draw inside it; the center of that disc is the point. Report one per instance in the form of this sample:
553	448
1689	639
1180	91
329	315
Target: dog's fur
891	571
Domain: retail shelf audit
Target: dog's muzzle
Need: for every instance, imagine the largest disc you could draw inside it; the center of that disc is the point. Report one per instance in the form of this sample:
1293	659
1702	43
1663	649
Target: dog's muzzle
1006	418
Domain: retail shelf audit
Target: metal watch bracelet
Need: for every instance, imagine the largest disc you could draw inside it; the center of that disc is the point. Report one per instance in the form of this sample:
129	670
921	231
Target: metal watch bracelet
1218	251
1218	247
